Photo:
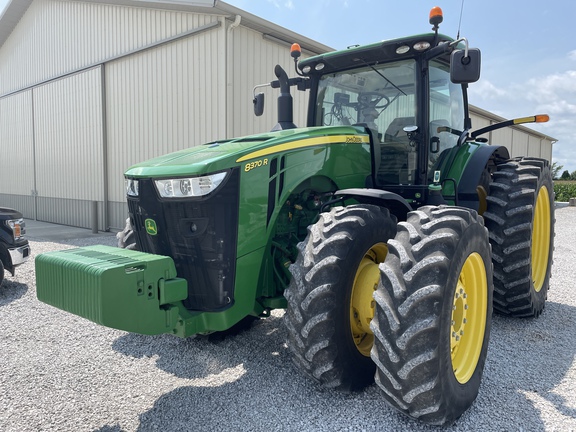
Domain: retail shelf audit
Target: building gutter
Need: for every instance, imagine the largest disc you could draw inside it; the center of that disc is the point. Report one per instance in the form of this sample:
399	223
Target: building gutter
228	104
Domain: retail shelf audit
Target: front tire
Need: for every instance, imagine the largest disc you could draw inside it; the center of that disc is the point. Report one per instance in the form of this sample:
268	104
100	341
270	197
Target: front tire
127	237
520	219
433	314
330	296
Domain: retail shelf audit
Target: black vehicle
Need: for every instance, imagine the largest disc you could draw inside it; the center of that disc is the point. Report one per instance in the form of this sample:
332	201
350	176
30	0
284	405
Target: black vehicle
14	248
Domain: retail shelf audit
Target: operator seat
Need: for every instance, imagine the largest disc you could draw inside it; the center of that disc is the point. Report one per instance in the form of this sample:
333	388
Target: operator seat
395	130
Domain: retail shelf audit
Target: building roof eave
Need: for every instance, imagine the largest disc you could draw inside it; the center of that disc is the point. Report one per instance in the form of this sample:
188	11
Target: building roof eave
13	12
16	9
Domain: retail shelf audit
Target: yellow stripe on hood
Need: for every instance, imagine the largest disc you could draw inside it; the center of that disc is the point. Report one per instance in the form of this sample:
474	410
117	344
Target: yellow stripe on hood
308	142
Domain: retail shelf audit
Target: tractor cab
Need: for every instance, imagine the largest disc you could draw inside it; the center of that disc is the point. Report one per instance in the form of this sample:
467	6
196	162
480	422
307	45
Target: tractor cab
391	102
410	96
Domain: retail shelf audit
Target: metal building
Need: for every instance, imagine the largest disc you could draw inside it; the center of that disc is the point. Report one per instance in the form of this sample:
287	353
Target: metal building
88	88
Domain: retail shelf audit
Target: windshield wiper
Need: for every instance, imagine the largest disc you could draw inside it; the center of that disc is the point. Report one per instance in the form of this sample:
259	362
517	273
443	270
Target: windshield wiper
379	73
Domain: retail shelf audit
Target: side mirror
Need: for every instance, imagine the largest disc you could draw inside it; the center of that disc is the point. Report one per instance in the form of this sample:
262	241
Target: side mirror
258	102
464	68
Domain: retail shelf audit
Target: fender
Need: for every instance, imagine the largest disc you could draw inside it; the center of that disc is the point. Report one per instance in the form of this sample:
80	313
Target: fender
397	205
472	175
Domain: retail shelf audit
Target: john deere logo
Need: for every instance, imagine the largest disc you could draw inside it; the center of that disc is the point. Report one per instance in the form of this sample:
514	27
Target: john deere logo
151	227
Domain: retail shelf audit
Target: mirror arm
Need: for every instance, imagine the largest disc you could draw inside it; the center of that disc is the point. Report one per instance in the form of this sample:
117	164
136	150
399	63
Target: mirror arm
257	87
456	42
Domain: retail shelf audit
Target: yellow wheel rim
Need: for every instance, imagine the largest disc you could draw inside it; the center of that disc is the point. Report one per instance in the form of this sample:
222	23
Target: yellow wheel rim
470	303
361	299
482	203
541	238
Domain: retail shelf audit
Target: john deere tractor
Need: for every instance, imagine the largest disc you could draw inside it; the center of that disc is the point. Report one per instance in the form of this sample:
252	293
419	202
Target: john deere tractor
386	228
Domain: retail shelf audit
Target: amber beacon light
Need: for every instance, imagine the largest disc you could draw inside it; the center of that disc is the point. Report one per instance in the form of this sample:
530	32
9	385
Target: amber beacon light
436	17
295	50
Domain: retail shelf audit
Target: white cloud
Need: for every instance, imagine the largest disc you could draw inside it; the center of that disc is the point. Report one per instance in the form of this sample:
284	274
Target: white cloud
287	4
555	86
572	55
486	91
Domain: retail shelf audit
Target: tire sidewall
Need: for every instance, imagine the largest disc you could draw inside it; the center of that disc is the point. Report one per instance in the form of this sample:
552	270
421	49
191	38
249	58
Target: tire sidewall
473	239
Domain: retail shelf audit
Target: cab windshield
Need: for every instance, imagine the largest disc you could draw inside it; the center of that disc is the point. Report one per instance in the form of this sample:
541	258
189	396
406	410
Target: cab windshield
383	99
375	96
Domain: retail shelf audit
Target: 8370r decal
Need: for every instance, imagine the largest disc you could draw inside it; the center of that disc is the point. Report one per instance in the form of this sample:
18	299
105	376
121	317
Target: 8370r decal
256	164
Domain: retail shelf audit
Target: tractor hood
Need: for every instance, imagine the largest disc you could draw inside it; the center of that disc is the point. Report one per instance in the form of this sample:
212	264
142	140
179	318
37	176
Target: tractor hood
221	155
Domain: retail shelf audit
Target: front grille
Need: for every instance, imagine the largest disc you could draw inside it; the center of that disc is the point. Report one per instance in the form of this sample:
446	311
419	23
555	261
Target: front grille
200	234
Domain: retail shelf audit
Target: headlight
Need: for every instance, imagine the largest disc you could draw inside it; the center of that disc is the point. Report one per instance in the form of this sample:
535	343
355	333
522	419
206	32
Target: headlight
17	226
131	187
189	187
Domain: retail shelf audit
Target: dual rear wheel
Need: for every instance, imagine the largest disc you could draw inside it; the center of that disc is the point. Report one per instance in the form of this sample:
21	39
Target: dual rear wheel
438	275
520	219
419	322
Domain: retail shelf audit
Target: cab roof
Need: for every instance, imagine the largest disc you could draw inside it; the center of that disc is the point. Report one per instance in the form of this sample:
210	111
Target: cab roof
371	54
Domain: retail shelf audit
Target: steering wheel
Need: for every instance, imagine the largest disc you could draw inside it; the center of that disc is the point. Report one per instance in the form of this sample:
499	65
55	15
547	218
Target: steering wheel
371	100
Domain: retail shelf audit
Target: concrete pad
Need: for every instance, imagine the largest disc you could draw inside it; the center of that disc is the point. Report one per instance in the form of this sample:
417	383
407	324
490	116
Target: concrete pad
37	230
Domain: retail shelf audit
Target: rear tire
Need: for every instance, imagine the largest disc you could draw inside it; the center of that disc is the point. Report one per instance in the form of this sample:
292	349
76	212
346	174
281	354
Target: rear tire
433	314
126	237
330	295
520	219
1	272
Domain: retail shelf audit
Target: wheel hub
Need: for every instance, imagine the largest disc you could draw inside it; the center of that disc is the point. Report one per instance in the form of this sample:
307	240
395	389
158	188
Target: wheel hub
362	301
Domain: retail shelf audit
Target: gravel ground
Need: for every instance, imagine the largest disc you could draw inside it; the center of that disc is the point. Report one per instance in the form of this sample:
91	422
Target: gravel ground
59	372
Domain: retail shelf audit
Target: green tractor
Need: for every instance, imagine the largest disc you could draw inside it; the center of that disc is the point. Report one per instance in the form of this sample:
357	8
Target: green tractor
386	228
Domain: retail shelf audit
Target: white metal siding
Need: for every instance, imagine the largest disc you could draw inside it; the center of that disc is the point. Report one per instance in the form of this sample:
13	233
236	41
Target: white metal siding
546	149
17	150
69	147
502	137
534	146
519	143
56	37
16	136
479	121
163	100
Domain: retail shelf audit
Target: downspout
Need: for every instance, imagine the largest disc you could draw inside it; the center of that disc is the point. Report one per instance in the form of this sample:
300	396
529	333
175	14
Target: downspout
229	108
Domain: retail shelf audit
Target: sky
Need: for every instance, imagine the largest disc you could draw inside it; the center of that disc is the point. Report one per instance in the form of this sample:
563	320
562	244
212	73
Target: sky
528	48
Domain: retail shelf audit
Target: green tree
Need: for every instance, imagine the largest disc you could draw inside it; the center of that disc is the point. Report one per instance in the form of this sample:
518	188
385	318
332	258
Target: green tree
573	175
556	170
565	175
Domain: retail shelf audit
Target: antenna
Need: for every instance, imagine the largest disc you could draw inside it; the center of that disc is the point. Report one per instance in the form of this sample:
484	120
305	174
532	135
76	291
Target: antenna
460	20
